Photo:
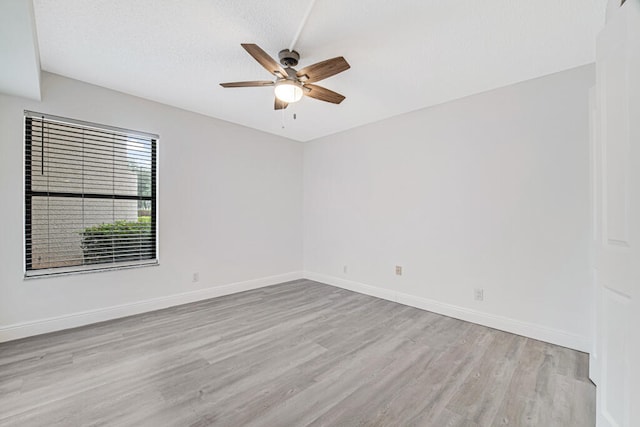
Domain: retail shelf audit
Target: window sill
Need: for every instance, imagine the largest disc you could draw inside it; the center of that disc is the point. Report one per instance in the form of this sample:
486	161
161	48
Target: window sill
61	271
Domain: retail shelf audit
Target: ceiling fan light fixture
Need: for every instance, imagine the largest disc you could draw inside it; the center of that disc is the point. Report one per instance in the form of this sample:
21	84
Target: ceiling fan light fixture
288	91
291	85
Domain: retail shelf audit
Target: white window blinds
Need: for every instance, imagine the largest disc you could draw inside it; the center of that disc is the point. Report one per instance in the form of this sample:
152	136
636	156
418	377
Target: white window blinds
90	196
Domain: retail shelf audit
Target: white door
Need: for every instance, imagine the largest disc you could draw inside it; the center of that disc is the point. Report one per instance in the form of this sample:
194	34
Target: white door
617	255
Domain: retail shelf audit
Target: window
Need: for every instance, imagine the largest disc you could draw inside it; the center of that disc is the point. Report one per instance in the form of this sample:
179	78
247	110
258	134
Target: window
90	196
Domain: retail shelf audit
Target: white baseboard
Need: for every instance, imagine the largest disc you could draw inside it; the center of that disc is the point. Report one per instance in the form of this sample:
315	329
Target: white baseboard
52	324
41	326
530	330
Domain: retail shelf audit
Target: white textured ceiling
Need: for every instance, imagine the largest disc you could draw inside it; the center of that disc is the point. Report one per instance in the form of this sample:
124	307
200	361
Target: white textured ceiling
404	54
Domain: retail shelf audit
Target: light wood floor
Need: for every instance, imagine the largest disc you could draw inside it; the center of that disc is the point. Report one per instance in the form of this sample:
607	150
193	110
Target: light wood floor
296	354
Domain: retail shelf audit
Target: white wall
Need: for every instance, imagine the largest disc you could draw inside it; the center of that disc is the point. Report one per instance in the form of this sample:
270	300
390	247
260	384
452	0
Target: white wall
489	191
230	208
19	53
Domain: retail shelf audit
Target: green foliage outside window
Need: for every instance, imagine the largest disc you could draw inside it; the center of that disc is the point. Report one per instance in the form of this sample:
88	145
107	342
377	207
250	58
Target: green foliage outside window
117	241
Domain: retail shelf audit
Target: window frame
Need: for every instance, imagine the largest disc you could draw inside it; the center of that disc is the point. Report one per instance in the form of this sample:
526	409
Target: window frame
28	195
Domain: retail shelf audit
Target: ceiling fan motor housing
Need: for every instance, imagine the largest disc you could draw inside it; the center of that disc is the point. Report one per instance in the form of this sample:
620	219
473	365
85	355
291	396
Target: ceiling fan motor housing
289	58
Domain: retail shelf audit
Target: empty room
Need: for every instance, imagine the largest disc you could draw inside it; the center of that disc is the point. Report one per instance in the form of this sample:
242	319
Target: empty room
319	213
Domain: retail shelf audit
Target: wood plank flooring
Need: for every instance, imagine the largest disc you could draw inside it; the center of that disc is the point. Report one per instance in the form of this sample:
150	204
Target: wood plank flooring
295	354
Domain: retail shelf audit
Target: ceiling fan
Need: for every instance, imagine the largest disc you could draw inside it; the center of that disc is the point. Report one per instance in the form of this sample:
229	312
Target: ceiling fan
291	85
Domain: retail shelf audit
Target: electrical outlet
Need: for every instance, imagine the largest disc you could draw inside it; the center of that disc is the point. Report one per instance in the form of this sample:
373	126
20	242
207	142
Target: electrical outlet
398	270
345	269
196	277
478	294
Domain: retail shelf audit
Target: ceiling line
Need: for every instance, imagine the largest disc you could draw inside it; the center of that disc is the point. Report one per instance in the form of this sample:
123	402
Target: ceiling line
304	21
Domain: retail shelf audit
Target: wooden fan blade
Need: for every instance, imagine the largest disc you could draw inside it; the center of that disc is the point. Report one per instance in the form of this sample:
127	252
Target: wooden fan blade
264	59
323	94
255	83
322	70
279	105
